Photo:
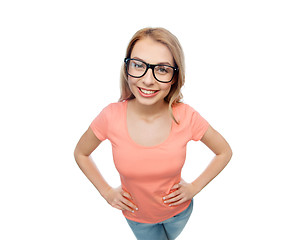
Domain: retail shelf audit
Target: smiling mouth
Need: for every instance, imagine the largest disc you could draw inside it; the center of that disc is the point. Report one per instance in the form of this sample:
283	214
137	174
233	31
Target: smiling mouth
149	92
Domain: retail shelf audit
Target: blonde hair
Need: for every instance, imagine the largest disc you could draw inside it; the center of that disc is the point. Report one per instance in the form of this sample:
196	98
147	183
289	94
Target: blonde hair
168	39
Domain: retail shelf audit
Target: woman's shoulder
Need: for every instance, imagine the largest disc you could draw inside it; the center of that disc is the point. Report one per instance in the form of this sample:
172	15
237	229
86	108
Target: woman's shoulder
112	109
185	111
115	106
183	107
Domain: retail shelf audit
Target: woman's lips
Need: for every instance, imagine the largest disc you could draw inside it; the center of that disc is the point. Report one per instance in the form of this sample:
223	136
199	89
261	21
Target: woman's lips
147	93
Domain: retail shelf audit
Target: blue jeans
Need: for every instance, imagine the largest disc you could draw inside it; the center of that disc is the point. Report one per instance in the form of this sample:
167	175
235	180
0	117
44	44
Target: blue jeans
166	230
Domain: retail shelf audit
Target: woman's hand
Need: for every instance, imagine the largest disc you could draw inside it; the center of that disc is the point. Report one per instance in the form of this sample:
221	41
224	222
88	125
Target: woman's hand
120	199
183	192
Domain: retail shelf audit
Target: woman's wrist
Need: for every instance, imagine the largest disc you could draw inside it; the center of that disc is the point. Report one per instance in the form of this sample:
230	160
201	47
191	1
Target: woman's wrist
105	191
196	188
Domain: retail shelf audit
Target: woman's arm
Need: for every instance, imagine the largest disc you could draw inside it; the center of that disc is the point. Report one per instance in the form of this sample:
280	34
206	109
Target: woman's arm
215	142
115	197
185	191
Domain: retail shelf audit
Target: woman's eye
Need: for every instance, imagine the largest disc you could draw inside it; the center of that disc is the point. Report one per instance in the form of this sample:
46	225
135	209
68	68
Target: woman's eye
162	69
137	65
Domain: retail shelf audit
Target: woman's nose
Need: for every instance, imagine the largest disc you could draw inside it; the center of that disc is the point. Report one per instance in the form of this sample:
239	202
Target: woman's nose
149	78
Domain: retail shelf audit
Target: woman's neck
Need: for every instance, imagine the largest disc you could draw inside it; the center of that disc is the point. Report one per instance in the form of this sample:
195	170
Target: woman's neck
149	112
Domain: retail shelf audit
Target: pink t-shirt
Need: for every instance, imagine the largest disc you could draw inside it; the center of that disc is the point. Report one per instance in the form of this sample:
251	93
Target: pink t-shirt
148	173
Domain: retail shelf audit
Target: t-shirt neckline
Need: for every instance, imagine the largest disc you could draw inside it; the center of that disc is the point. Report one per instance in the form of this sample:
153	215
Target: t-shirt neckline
133	142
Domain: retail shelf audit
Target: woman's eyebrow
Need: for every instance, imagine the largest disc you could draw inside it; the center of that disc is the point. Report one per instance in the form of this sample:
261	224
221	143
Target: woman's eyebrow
165	63
160	63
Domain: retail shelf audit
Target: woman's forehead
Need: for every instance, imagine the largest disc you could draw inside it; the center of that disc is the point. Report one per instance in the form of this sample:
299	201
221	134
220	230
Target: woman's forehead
151	51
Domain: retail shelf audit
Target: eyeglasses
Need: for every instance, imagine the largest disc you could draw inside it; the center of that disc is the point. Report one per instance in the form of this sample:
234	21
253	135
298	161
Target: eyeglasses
138	68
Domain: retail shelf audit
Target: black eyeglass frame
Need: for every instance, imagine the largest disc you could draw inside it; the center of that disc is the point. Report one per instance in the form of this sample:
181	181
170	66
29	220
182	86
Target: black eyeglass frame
152	66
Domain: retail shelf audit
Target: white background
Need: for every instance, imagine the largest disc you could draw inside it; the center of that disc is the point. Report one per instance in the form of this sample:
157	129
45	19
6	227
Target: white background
59	66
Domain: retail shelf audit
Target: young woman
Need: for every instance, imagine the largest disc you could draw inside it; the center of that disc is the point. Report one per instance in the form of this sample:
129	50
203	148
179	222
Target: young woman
149	128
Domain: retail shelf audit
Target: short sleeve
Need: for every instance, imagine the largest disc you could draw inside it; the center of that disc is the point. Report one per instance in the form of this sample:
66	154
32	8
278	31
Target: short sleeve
198	126
99	125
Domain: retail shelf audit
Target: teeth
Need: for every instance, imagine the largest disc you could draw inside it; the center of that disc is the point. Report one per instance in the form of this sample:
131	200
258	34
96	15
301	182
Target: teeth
147	91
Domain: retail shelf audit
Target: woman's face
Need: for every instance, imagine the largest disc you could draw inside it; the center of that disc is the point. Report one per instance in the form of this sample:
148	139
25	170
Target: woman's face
147	90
